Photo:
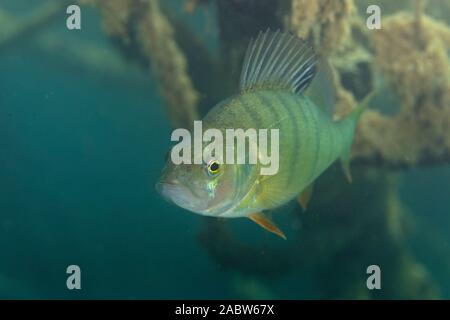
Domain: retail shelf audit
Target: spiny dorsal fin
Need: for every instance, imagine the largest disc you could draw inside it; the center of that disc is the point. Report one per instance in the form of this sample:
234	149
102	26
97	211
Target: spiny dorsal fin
277	61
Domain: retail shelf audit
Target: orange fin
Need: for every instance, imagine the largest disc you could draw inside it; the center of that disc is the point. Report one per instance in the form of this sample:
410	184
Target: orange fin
305	196
263	221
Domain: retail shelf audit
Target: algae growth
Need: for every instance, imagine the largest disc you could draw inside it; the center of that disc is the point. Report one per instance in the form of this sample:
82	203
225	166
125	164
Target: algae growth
347	226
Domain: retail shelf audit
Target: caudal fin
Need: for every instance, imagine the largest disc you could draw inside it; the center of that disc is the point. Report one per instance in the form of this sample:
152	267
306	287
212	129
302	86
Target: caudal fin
353	118
362	106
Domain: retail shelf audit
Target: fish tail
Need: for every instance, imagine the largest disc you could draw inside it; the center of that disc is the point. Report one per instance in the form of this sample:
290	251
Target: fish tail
353	118
362	106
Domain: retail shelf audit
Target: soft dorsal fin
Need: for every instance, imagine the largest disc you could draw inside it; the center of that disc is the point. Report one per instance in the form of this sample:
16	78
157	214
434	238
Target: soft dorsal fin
322	90
278	61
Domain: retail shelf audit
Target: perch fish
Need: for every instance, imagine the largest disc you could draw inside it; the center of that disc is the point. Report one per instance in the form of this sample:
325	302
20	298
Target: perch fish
276	91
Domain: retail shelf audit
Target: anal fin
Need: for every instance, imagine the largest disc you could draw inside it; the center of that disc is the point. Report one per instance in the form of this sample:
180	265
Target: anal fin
265	222
305	196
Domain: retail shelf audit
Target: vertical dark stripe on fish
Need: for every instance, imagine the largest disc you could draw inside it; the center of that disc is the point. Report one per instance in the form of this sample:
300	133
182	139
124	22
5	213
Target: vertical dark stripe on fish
318	157
282	98
251	112
326	138
313	123
233	114
269	106
330	128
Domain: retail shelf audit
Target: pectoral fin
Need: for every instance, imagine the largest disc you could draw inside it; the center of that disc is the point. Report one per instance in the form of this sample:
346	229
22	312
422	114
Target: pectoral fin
305	196
265	222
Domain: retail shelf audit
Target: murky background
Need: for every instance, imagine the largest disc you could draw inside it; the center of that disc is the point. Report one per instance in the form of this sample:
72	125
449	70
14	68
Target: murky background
85	122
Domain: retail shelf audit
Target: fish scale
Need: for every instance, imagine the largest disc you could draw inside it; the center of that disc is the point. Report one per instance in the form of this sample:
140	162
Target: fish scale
305	149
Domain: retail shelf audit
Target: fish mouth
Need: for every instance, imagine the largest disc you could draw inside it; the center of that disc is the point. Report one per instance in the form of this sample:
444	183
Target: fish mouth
181	196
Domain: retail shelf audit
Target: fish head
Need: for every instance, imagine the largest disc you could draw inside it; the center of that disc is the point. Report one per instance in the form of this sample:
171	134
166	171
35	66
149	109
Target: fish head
210	188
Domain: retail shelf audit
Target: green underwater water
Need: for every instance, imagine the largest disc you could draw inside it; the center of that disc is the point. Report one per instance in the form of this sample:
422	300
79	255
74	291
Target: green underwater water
80	153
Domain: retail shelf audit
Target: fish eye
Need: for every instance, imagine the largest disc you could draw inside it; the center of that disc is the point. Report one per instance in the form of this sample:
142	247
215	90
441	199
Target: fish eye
213	167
